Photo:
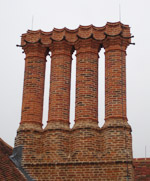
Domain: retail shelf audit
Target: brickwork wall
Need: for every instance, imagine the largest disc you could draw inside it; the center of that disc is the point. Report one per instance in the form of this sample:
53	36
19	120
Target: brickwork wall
142	169
80	172
85	152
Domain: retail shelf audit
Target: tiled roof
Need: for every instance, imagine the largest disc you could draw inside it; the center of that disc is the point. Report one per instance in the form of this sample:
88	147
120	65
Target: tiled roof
8	171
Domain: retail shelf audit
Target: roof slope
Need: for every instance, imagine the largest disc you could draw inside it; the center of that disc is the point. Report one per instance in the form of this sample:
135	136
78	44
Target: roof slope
8	170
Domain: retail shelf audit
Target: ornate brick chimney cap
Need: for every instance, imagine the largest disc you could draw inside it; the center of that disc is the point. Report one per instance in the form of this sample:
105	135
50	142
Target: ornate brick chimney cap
83	32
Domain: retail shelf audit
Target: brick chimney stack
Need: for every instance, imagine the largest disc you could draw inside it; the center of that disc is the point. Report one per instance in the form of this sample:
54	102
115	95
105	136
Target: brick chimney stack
85	152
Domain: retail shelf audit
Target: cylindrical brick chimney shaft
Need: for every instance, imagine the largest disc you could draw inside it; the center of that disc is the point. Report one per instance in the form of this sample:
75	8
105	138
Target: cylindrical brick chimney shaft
115	77
59	101
33	92
87	80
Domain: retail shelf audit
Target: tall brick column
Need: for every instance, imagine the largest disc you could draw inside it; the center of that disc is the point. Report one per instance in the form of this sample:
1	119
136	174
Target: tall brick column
57	130
33	92
30	129
115	78
116	130
59	100
87	81
85	132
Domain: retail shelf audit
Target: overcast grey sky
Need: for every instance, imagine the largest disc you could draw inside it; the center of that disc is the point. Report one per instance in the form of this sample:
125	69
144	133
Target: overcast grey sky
16	18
